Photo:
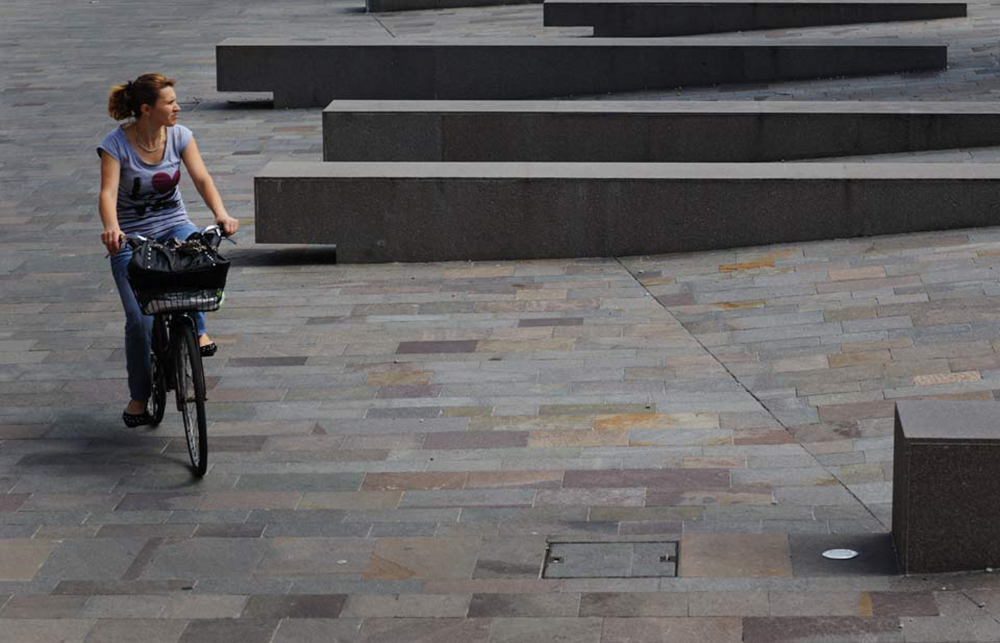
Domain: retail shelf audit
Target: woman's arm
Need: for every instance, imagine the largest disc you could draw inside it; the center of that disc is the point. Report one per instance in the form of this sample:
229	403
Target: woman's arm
206	188
107	203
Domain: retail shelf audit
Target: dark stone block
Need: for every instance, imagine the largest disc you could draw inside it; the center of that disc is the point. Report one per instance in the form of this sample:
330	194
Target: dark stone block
652	18
294	606
488	211
945	515
841	629
647	131
309	74
455	346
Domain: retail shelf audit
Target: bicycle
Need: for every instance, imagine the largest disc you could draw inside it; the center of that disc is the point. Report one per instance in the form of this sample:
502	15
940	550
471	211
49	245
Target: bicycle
175	357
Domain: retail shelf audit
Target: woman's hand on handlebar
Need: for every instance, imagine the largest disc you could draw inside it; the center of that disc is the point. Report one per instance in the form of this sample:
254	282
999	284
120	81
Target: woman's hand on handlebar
112	239
228	224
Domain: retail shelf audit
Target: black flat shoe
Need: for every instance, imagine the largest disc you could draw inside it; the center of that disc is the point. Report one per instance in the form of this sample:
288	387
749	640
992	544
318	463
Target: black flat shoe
208	349
132	420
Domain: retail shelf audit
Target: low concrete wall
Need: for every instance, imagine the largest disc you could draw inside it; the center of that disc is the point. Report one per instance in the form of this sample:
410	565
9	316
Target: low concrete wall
380	212
303	74
382	6
646	18
648	131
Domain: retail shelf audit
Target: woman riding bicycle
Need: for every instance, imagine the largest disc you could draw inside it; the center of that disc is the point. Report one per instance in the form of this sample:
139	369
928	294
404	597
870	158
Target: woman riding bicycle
140	173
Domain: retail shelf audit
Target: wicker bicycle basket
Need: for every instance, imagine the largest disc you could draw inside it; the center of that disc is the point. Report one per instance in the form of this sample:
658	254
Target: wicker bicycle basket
175	302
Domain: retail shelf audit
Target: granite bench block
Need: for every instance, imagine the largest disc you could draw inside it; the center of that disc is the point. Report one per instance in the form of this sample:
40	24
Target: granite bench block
945	514
646	131
650	18
311	74
485	211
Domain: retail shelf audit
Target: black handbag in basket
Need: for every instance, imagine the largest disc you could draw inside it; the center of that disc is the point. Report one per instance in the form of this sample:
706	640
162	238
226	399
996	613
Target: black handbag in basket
177	275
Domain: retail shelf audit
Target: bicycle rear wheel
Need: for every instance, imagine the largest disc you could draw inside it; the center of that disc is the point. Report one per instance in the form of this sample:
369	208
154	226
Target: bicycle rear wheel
158	395
191	397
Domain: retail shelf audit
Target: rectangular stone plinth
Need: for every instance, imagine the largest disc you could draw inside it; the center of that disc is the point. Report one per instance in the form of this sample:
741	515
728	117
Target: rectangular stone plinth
648	131
650	18
311	74
381	212
382	6
945	509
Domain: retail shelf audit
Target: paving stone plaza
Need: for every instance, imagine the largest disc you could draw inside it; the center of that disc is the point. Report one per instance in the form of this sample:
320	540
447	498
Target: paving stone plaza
394	447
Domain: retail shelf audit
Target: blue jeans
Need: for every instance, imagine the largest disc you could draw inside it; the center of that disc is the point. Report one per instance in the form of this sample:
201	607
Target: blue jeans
139	327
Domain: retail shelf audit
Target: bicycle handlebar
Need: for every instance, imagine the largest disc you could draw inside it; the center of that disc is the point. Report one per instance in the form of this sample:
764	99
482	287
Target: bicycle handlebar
213	235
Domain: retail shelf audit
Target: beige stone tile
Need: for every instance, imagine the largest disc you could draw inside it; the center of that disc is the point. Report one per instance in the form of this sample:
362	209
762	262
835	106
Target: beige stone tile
417	481
808	363
820	604
351	500
601	438
714	462
868	272
506	479
507	346
191	606
859	358
946	378
392	378
20	559
437	558
657	421
735	556
735	603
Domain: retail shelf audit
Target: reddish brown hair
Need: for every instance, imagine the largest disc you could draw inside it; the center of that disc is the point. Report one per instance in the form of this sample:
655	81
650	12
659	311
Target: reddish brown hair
127	100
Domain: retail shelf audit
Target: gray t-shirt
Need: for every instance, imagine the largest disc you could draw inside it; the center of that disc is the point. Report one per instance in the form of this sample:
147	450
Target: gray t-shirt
149	198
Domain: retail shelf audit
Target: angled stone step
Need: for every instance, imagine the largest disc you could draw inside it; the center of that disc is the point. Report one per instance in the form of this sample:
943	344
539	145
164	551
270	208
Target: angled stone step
648	131
311	74
381	212
649	18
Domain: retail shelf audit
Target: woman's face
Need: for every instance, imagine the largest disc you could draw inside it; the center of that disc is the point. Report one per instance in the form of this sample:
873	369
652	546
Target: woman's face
164	112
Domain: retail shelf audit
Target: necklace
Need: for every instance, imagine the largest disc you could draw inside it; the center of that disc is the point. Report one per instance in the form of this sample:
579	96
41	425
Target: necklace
159	143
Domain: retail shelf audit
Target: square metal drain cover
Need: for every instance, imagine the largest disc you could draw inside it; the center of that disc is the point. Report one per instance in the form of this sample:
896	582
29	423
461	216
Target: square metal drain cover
611	560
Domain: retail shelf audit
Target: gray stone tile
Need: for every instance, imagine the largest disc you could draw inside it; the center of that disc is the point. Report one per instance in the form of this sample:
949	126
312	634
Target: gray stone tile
424	630
229	630
514	605
343	630
205	557
634	604
32	630
98	559
126	630
541	630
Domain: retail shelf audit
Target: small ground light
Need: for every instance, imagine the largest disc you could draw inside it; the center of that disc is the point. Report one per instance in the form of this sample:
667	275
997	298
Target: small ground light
840	554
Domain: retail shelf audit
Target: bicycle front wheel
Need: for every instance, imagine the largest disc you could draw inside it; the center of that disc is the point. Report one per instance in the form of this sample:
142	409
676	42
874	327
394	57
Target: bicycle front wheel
191	398
158	394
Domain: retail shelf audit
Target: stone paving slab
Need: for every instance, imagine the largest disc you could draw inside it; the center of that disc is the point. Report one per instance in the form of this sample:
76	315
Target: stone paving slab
435	426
